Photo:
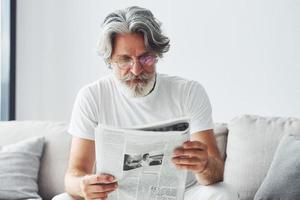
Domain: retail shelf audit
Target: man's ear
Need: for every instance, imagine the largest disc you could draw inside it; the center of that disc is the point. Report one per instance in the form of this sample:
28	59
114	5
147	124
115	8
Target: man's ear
109	63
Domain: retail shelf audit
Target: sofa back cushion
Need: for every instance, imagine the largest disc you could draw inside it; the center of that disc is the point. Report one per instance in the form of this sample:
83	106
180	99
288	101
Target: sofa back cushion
251	144
283	178
56	150
19	167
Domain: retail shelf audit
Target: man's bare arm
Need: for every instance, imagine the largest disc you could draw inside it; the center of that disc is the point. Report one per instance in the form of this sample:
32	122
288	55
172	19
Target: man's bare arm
81	163
214	169
79	180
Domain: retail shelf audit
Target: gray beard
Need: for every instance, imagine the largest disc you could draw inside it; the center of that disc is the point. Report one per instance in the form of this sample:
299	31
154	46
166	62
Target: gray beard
140	89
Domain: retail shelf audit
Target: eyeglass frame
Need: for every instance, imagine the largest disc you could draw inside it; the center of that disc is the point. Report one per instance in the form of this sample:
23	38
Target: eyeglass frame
112	61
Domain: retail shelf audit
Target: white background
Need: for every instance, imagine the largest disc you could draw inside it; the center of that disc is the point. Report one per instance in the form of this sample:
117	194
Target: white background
245	53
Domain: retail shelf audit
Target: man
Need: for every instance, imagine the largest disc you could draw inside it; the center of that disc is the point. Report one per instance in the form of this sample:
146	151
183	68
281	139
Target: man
145	162
134	94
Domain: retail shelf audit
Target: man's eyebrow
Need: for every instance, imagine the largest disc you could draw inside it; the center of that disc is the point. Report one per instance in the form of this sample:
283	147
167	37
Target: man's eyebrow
126	55
122	55
145	53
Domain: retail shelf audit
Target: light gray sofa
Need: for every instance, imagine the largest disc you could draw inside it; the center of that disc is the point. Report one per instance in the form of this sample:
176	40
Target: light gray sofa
250	138
55	155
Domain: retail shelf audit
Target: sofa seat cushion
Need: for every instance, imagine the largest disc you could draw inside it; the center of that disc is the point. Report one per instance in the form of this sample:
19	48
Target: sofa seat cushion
251	144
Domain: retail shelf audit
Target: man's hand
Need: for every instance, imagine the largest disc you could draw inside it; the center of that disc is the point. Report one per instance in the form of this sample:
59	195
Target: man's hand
201	156
192	156
97	186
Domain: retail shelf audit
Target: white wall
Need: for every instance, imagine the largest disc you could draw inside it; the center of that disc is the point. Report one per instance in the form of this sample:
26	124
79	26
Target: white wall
245	53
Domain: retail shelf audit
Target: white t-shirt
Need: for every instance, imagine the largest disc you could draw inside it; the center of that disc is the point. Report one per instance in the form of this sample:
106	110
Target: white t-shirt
104	102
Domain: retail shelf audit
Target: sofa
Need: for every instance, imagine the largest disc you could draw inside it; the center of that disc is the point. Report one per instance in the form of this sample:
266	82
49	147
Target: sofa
248	144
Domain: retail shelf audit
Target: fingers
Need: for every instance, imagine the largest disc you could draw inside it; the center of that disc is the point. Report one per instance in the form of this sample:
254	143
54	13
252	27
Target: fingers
97	186
187	161
98	196
181	152
102	178
191	149
192	156
188	167
192	164
194	145
103	188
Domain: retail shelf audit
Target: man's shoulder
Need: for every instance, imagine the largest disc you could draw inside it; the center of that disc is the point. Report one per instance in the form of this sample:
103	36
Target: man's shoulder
108	79
101	82
179	86
176	81
105	82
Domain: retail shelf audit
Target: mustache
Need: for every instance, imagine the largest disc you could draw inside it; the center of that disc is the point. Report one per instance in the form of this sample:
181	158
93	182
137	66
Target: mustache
144	77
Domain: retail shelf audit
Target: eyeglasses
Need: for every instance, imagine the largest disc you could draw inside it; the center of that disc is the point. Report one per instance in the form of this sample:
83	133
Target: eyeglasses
127	62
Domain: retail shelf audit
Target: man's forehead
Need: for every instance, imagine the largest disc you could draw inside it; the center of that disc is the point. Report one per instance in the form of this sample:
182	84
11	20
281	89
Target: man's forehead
129	44
126	36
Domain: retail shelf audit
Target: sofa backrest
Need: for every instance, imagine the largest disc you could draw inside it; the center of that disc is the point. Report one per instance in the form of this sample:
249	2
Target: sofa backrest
56	150
252	141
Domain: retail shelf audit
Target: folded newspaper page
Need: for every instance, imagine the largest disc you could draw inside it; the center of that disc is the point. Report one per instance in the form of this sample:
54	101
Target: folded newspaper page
140	159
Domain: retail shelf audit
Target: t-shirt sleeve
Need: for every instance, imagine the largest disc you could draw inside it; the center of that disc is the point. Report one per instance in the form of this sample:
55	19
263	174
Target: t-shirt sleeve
199	108
84	115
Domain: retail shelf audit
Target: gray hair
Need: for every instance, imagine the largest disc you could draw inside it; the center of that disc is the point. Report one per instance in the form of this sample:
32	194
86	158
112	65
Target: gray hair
132	20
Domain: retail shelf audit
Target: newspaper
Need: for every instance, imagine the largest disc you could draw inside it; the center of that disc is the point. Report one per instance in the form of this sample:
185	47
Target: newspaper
140	159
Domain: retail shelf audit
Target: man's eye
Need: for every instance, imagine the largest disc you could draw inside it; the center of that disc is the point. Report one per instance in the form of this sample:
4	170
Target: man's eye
124	60
146	59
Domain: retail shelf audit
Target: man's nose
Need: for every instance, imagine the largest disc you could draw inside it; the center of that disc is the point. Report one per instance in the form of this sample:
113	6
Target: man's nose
137	68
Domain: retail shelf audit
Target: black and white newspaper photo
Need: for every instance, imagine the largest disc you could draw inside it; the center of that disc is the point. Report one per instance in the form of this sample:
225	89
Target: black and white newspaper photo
140	159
